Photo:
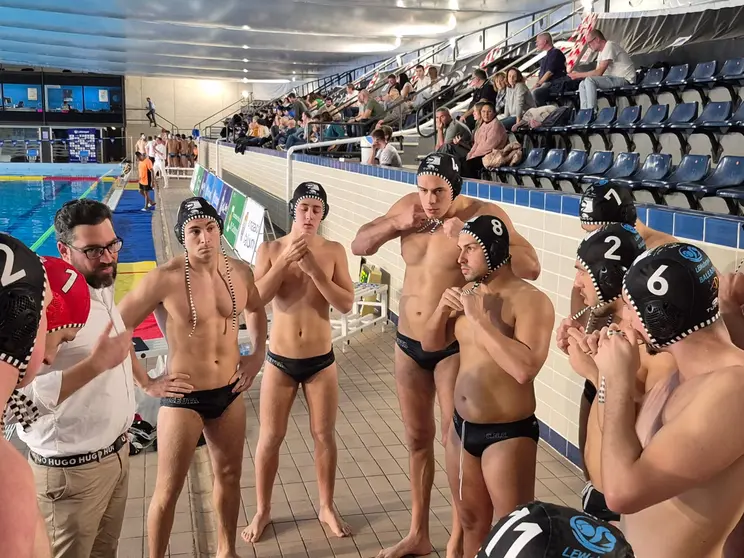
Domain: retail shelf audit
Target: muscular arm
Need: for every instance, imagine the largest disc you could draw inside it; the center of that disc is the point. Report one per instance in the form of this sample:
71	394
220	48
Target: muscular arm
524	257
523	356
269	276
694	447
19	512
734	320
373	235
440	330
254	314
338	289
141	301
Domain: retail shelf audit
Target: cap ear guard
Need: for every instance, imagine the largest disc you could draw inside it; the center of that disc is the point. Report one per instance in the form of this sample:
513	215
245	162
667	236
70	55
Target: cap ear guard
492	236
604	204
292	204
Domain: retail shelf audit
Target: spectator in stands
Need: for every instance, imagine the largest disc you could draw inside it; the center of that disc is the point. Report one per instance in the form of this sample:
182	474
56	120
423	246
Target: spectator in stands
405	86
614	69
150	107
422	80
518	99
453	136
370	111
431	87
397	109
500	84
392	81
383	153
477	115
552	69
490	135
297	107
332	109
482	90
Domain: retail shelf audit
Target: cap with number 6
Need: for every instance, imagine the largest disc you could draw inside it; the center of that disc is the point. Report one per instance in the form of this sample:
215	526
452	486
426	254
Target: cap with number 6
492	236
70	304
542	530
674	290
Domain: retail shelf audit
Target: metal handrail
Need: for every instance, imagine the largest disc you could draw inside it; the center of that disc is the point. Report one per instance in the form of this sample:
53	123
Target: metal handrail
223	109
160	116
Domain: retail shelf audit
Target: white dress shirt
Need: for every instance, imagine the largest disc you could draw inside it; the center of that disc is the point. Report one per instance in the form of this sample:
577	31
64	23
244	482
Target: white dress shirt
93	417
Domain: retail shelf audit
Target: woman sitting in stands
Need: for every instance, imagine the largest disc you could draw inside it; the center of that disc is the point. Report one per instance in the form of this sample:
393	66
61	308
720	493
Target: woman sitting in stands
518	99
500	85
490	135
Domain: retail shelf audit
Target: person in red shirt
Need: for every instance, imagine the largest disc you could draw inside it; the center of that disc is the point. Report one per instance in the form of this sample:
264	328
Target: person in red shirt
145	180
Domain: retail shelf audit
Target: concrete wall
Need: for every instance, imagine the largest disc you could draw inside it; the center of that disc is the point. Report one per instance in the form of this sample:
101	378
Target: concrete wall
182	101
548	219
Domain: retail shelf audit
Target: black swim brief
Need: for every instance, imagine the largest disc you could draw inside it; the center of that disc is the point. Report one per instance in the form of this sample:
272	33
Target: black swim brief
427	360
590	392
301	369
594	504
209	403
479	436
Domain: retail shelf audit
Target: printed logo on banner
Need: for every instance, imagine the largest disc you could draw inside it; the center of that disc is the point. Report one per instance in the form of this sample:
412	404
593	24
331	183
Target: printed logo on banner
214	198
234	218
224	200
196	179
251	231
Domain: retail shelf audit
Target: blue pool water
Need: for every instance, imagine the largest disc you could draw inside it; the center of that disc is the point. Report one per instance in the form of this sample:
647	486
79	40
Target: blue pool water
27	207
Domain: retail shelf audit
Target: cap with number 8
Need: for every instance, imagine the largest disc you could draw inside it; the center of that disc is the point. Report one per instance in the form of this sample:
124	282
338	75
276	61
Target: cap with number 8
492	236
674	290
70	304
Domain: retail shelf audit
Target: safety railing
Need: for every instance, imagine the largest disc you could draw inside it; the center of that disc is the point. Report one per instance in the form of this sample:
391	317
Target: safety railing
221	113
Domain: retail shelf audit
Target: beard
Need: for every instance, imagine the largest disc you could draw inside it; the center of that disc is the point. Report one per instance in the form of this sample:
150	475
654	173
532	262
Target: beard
97	279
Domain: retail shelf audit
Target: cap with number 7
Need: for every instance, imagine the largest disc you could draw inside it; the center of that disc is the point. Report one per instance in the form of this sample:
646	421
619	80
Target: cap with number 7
70	304
542	530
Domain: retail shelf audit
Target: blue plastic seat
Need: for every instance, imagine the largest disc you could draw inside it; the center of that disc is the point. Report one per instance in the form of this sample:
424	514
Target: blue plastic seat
657	166
553	159
575	161
691	168
676	77
683	113
651	80
734	198
628	117
604	120
599	163
655	115
580	121
625	165
729	172
704	72
531	160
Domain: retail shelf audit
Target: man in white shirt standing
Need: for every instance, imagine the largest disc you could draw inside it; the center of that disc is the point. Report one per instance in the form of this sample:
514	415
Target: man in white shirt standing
150	148
159	165
78	446
614	68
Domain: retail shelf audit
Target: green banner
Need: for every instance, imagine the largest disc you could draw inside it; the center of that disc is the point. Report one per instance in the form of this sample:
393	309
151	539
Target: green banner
234	217
196	179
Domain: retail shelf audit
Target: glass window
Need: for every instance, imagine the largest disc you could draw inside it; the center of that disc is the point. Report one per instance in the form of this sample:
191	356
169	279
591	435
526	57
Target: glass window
22	97
64	98
102	98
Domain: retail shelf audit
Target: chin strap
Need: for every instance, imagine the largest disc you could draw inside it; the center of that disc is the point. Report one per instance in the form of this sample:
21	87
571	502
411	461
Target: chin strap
431	225
230	287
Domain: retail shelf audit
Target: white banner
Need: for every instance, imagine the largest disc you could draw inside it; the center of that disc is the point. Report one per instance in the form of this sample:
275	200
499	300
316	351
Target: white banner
251	231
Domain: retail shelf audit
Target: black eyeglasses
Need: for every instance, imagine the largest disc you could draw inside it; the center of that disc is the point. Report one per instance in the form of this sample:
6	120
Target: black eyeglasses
95	252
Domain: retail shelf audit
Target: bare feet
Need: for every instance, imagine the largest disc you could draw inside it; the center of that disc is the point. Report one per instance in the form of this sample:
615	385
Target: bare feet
229	554
409	546
454	548
330	517
253	532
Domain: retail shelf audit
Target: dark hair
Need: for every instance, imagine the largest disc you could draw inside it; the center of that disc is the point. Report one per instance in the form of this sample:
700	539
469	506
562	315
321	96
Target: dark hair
79	212
488	104
325	116
480	74
291	96
403	79
392	76
388	131
149	138
419	66
379	134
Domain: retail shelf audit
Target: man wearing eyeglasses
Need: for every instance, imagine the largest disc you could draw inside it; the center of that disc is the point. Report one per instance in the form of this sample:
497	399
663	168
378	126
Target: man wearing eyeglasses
78	447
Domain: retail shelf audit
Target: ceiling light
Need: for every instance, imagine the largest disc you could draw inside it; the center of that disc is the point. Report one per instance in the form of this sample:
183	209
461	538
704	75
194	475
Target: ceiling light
294	72
245	94
246	80
454	5
246	47
294	78
245	71
245	60
247	27
400	3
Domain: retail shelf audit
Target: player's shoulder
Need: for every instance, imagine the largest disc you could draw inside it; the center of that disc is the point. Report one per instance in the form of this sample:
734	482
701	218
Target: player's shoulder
527	292
472	207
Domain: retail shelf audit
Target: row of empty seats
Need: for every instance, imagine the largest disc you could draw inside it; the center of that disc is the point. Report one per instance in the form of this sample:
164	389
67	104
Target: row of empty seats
693	176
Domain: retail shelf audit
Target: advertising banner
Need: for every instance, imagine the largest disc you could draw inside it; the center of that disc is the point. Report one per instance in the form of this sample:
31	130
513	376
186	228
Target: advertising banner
251	231
234	218
196	179
224	202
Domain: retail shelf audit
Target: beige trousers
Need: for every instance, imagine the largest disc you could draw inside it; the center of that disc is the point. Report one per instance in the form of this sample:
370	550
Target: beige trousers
83	506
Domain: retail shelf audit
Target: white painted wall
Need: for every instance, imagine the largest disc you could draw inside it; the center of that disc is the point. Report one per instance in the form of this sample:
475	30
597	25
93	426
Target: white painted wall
182	101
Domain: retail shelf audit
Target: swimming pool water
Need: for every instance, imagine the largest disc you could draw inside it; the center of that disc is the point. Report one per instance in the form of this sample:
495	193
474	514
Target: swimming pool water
27	207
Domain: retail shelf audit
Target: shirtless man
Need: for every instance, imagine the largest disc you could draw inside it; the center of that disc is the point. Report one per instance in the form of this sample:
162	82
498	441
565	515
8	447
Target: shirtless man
602	260
603	204
184	150
675	469
203	293
304	274
173	150
46	303
503	325
428	224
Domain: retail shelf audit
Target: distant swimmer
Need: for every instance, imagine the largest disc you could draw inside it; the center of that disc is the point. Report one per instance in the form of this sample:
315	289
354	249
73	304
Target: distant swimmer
203	293
428	223
503	325
602	260
675	469
304	275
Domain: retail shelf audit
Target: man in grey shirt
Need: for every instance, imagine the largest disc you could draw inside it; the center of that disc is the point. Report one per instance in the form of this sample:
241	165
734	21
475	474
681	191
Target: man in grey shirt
453	136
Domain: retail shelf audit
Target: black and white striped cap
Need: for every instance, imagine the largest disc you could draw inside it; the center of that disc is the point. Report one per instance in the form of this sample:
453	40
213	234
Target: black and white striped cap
445	167
604	203
492	236
673	289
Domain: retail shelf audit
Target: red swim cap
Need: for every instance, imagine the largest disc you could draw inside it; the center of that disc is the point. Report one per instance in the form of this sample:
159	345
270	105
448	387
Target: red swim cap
70	296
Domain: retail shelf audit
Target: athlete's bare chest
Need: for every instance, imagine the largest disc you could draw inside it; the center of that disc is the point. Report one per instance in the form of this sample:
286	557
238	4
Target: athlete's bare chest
498	312
435	250
221	295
